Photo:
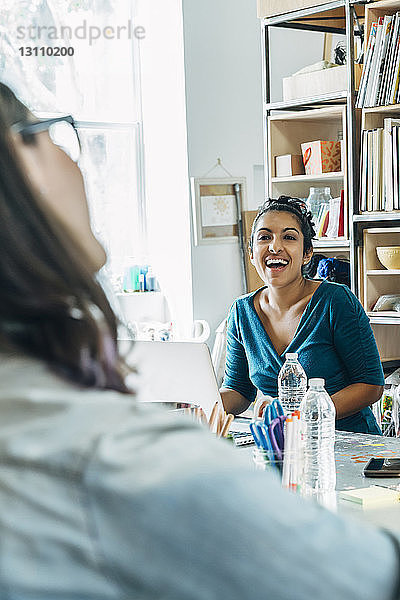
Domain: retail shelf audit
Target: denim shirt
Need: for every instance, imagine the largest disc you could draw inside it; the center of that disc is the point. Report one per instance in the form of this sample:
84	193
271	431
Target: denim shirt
102	497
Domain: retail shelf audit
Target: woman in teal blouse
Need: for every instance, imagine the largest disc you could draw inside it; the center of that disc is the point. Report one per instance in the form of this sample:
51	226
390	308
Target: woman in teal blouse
323	322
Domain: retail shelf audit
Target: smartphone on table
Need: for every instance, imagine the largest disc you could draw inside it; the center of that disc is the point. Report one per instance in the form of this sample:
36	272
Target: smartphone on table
383	467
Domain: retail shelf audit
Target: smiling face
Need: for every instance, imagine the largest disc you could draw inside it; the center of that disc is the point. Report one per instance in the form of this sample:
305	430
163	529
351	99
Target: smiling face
277	252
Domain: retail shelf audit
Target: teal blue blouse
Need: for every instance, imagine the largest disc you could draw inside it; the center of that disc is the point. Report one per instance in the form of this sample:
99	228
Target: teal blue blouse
334	340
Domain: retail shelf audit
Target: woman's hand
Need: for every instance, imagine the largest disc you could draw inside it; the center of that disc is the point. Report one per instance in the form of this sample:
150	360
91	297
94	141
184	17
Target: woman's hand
354	397
234	403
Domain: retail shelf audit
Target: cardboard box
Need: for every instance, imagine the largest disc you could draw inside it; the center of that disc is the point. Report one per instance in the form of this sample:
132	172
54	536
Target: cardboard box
289	164
325	81
270	8
321	157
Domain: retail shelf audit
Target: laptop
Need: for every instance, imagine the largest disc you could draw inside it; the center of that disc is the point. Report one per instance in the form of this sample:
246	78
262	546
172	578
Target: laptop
175	372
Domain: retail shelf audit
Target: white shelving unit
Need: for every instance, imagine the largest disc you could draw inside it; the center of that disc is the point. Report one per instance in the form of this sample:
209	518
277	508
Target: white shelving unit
288	124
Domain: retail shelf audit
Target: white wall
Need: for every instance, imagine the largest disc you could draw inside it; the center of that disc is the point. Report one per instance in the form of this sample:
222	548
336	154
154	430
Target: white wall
292	50
165	140
224	119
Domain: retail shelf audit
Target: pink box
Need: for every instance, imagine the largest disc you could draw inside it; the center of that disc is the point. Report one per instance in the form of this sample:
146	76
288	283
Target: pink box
321	157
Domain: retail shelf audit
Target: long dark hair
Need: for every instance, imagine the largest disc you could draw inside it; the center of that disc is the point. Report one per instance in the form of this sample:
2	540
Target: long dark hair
51	306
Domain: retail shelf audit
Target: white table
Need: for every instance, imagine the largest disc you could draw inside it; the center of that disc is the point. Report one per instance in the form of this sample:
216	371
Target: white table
352	453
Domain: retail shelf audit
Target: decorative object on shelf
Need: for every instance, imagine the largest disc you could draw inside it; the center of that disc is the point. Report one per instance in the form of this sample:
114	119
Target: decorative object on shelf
316	83
289	164
340	53
387	302
389	256
214	209
138	278
321	156
318	204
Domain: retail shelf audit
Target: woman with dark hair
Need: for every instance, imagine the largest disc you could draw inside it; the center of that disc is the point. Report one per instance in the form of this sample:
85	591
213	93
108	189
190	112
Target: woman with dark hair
101	497
322	321
50	304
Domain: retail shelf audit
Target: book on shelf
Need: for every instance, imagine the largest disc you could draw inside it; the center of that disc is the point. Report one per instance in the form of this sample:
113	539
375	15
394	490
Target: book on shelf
377	179
381	60
371	81
388	164
395	154
367	65
391	167
390	63
394	85
381	72
379	168
369	190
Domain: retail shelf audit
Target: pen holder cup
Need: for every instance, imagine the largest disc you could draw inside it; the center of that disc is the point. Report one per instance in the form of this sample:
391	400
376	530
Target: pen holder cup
263	463
289	471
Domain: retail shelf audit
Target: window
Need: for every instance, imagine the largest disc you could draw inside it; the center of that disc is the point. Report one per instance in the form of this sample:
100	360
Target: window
100	86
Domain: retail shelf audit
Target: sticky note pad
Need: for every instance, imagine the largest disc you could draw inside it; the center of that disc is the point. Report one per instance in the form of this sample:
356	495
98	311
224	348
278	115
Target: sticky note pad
371	497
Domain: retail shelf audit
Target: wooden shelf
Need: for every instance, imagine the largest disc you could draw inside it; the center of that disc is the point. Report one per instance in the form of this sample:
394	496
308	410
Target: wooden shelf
326	113
385	317
387	108
331	243
333	9
300	178
300	103
378	282
383	272
388	230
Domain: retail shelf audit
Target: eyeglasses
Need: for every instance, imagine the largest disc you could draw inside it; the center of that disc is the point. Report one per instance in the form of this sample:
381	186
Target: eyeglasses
62	132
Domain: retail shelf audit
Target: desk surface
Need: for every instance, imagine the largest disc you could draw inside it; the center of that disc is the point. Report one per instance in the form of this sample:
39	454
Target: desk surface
352	452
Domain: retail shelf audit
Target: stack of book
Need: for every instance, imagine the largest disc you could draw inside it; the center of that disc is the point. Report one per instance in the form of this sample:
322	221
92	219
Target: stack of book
380	78
380	181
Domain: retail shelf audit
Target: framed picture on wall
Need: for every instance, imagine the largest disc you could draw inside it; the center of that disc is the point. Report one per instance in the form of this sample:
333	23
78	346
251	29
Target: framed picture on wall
214	208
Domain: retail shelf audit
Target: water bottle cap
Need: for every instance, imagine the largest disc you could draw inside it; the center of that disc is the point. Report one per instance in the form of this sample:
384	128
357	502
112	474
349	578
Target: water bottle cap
291	356
316	382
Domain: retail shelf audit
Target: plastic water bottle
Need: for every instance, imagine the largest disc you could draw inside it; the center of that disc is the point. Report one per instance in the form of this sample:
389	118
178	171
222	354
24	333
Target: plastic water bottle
318	430
292	383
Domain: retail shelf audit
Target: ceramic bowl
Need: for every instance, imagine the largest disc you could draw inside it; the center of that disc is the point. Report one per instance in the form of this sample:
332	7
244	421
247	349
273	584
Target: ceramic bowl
389	256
